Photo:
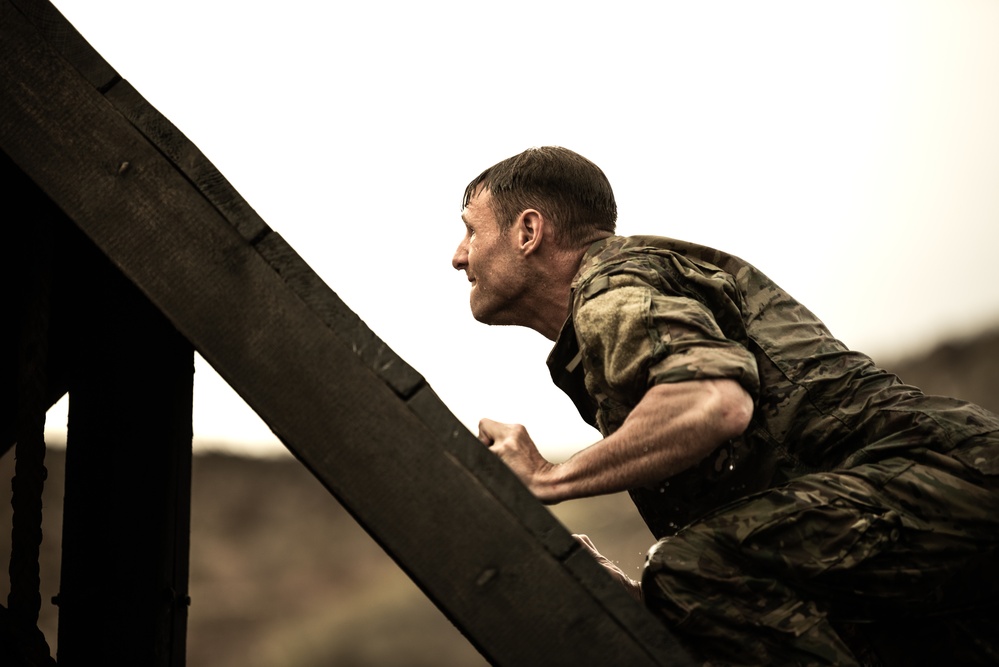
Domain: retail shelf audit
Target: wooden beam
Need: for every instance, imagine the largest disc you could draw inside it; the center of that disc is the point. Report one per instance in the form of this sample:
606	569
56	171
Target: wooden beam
367	425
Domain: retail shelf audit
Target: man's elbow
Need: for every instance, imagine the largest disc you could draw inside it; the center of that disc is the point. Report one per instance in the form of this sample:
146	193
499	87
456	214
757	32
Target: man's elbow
735	408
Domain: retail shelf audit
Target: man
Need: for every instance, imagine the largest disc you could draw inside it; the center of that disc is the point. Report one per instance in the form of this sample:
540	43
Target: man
810	508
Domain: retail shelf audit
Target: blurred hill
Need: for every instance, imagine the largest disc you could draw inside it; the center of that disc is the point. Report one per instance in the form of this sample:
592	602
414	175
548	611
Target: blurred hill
967	368
282	576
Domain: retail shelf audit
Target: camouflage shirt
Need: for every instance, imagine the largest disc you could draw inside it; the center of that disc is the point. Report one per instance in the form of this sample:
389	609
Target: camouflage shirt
648	310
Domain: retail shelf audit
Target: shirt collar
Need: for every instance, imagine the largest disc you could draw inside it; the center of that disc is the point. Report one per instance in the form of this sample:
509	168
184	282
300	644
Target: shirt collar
565	360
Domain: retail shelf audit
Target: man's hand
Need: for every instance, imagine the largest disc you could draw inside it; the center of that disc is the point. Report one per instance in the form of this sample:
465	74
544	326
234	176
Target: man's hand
516	449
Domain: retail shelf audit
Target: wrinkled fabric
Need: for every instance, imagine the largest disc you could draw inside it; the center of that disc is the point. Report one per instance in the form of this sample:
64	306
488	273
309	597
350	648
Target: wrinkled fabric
833	568
647	310
852	510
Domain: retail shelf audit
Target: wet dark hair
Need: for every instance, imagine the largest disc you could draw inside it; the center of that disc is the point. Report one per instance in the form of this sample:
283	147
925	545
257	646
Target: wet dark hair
564	186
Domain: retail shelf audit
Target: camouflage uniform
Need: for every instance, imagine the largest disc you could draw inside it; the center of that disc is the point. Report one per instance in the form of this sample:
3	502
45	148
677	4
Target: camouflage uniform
853	509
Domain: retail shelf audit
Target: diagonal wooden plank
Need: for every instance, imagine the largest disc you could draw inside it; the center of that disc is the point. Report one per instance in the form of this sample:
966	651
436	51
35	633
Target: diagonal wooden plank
450	515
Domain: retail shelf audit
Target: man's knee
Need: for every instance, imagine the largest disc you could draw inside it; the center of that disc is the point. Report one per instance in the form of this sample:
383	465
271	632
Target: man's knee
729	616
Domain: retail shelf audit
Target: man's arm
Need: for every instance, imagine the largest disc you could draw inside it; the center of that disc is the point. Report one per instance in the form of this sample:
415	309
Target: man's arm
672	428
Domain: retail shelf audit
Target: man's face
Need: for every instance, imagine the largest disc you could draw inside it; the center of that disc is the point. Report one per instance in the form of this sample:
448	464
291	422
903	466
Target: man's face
490	259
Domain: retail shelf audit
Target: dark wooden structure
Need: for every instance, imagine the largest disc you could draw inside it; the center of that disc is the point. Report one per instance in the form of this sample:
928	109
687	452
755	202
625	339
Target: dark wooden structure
130	251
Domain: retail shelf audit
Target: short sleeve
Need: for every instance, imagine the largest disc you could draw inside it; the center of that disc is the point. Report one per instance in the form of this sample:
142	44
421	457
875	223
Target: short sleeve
635	337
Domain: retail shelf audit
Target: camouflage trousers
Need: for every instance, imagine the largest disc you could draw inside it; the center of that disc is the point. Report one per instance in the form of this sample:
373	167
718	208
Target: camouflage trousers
895	562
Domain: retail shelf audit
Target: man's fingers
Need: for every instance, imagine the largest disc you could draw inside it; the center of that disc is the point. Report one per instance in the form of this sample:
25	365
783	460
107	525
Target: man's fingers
486	430
490	431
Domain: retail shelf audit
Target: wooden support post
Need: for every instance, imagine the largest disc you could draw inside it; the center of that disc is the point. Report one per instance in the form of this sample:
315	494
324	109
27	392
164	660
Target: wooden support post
126	531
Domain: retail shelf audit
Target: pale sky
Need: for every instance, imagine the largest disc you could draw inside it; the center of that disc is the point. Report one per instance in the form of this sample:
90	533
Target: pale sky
848	149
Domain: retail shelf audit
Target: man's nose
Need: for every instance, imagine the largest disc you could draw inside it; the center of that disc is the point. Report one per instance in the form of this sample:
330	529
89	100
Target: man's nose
460	259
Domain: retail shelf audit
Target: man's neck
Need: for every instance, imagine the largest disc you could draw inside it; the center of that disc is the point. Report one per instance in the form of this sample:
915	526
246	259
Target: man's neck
555	288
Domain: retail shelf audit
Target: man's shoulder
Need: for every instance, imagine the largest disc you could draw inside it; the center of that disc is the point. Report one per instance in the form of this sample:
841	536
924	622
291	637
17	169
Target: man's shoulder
660	255
614	257
617	248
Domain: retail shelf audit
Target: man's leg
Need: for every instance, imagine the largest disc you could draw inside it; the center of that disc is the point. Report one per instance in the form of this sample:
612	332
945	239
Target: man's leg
773	578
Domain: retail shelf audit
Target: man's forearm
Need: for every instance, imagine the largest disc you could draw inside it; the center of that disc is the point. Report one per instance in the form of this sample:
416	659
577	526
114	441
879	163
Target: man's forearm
671	429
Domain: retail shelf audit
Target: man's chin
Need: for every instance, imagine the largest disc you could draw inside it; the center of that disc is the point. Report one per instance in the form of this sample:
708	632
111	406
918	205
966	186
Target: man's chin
481	317
493	320
481	314
489	312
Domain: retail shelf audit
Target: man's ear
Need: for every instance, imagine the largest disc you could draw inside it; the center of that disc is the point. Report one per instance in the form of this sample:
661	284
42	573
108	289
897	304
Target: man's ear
532	231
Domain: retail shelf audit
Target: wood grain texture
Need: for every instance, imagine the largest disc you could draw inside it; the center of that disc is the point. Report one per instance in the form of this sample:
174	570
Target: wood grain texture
372	351
364	423
186	158
64	38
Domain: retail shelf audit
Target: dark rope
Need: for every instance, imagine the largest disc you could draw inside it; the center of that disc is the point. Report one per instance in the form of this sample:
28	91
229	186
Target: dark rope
24	600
